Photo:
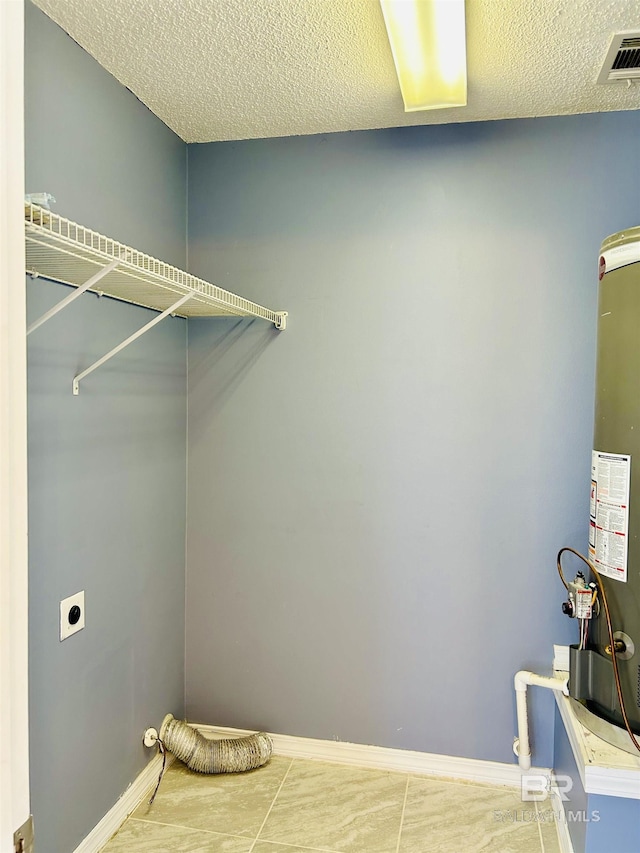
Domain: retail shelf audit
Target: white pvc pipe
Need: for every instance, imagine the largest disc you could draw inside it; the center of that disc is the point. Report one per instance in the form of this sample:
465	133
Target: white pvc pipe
521	681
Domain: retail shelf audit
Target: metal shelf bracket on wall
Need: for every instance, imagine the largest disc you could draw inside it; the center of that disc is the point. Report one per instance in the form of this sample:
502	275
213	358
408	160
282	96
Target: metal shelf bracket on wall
72	296
63	251
171	310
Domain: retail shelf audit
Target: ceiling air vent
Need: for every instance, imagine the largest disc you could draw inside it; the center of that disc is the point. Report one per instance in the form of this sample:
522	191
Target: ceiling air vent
623	58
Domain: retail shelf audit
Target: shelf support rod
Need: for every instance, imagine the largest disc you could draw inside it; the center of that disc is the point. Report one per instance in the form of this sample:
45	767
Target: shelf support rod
73	295
129	340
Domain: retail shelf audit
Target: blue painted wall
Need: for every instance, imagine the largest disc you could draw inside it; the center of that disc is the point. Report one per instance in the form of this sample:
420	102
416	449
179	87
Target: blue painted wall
107	468
377	495
618	827
564	764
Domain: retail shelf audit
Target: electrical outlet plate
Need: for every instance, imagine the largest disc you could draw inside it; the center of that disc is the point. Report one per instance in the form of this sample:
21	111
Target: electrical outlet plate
67	605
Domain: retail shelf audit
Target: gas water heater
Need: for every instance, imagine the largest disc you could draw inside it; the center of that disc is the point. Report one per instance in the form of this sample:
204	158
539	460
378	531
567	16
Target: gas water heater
605	664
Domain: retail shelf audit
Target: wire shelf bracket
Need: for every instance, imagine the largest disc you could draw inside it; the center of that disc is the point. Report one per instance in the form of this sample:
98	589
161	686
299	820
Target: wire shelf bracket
65	252
90	283
134	337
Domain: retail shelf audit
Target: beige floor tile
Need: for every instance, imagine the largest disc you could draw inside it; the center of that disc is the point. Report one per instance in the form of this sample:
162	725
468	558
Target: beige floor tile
275	847
333	807
449	817
549	830
230	803
146	837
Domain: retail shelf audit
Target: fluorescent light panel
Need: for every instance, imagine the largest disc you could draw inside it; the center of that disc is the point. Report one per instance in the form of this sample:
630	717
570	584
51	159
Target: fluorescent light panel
428	43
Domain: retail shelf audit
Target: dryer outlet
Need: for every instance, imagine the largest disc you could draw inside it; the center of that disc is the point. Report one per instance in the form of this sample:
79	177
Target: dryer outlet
71	615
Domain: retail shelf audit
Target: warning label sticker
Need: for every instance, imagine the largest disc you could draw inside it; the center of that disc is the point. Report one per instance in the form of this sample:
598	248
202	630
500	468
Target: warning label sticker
609	513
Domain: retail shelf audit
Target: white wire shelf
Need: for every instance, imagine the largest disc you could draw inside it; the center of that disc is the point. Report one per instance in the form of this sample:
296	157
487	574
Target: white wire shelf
64	251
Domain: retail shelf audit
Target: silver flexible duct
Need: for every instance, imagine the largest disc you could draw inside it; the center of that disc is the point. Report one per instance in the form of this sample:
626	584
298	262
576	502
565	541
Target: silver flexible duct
231	755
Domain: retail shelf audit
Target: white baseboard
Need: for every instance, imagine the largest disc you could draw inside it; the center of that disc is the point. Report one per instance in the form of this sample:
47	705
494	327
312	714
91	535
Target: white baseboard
121	810
385	758
557	804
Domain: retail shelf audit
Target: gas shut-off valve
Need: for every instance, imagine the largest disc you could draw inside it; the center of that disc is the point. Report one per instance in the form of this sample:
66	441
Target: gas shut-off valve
582	596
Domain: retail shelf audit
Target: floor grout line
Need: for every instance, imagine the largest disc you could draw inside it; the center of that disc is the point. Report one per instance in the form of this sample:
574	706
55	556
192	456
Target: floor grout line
284	779
183	826
538	820
296	846
404	805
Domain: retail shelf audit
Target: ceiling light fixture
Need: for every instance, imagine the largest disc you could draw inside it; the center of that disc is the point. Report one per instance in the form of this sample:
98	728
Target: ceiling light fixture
428	43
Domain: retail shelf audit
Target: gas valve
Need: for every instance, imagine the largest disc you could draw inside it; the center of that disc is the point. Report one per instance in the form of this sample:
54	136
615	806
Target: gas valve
580	602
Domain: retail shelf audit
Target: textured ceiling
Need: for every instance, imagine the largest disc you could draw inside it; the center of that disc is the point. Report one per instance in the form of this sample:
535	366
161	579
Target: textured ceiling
238	69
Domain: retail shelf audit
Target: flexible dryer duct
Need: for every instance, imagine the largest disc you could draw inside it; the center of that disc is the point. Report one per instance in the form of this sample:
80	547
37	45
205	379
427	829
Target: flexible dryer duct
230	755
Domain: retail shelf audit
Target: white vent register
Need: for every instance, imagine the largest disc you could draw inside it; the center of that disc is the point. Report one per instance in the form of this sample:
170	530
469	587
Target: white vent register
622	61
65	252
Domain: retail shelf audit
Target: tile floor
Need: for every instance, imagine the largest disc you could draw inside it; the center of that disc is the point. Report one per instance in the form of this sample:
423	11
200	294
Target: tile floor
296	806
